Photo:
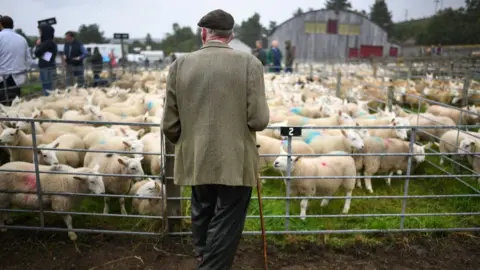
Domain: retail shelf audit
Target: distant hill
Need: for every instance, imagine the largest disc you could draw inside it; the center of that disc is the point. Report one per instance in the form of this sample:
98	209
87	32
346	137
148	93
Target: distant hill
407	31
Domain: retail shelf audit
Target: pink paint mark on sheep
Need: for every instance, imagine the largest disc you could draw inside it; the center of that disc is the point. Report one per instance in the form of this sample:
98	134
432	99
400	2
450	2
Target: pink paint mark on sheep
30	181
324	164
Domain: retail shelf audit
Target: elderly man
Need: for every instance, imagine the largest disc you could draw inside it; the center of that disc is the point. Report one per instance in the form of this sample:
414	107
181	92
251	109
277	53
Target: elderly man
275	58
15	60
259	52
215	104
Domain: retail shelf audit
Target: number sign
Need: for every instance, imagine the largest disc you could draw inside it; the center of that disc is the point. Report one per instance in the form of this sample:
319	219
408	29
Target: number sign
120	36
49	21
291	131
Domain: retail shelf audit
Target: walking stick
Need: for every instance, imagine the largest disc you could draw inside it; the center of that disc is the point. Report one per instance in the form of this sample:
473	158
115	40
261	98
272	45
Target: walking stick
262	223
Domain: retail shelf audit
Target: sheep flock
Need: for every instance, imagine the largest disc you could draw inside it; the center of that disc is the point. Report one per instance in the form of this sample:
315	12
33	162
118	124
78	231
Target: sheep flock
294	100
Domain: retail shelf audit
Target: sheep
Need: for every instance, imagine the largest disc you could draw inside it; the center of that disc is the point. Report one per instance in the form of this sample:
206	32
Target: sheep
456	115
427	119
388	164
451	139
137	109
16	137
149	188
26	181
335	120
394	133
349	142
269	146
151	142
116	164
116	144
469	146
326	166
98	136
71	158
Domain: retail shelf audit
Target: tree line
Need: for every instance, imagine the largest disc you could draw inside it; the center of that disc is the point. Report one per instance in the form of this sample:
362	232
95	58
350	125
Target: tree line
448	26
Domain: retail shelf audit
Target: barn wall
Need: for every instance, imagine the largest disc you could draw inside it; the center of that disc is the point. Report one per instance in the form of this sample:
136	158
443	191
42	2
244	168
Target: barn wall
312	47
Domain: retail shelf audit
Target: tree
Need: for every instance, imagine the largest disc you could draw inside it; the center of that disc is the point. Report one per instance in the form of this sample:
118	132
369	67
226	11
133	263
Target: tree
250	30
380	15
183	39
21	33
338	4
148	40
297	13
90	34
271	26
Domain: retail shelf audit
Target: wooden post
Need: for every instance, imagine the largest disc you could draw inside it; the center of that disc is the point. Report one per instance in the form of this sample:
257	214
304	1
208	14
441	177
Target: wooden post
409	70
339	85
174	207
390	98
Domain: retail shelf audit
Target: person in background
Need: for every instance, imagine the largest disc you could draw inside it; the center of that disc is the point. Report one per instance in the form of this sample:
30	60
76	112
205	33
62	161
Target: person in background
1	27
439	49
260	53
275	58
97	65
46	52
147	63
15	61
113	59
74	54
215	104
289	56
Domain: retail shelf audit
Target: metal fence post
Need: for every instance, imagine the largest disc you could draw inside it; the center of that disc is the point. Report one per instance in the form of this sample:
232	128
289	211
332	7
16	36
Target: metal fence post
390	98
339	84
5	89
407	179
296	67
466	86
37	174
289	174
450	70
409	70
174	207
311	70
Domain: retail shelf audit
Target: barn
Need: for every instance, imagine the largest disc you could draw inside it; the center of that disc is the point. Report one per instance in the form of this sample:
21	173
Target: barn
322	34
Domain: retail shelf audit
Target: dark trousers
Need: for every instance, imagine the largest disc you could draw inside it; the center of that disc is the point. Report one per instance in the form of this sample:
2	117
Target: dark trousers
48	76
8	91
288	70
218	218
75	72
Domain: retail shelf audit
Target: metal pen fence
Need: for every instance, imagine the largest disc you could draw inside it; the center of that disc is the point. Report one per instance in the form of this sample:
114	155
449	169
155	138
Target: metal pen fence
174	210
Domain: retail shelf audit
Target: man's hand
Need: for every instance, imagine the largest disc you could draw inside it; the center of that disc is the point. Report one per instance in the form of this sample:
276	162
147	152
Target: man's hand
38	42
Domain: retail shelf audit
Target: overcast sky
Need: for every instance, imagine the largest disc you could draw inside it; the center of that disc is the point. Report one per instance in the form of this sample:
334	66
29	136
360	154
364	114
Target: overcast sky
139	17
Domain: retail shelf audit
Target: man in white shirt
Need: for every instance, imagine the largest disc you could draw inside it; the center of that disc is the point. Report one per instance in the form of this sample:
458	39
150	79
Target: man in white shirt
15	60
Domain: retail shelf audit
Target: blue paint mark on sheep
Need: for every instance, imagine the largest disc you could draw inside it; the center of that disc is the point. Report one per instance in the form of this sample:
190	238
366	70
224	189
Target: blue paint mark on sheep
124	115
296	110
304	120
312	136
150	105
102	141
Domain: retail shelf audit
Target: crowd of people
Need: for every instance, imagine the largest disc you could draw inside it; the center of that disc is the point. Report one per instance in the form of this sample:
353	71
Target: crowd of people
272	58
16	60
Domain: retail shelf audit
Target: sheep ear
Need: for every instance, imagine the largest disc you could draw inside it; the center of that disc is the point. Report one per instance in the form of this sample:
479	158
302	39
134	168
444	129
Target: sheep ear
344	133
123	131
17	130
295	159
140	133
79	178
126	143
39	152
122	162
258	145
158	188
56	145
40	113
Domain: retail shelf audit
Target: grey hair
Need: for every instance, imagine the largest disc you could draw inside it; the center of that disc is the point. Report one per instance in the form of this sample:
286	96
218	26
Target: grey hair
220	33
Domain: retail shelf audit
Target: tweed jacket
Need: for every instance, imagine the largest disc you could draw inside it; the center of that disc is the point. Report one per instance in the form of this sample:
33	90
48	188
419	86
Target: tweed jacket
215	104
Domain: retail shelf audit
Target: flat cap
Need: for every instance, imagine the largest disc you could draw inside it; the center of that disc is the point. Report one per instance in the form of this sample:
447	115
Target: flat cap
217	20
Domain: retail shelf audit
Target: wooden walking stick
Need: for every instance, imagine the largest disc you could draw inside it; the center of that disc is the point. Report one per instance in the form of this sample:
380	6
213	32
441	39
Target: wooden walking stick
262	223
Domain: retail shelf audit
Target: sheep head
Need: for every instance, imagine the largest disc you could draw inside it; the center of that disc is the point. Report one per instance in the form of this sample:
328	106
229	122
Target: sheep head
131	166
10	136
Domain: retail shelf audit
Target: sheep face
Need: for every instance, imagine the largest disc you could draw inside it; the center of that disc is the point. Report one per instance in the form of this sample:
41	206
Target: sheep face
94	181
345	118
49	156
132	166
417	149
401	133
10	136
466	146
281	162
151	188
134	145
354	138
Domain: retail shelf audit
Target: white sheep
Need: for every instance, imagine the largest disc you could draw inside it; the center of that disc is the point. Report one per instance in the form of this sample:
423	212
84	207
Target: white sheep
71	158
149	188
451	139
16	137
470	117
350	141
151	142
469	146
26	181
327	166
116	164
